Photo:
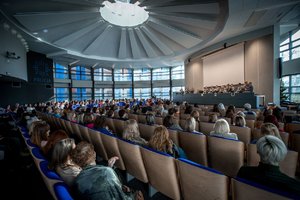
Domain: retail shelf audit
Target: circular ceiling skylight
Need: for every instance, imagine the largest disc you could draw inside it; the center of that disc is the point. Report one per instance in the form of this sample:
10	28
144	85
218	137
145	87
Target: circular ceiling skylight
123	14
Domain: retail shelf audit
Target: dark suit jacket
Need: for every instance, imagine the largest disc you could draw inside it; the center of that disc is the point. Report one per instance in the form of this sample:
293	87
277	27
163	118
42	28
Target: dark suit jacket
271	176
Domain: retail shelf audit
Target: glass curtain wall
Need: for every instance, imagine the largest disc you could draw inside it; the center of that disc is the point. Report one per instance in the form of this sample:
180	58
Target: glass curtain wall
290	47
291	85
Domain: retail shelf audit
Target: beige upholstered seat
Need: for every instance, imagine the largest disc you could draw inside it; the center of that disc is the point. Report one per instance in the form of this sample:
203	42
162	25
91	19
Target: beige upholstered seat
173	134
195	146
245	191
142	119
119	126
159	120
69	127
132	158
76	131
285	137
96	140
243	133
146	131
162	172
110	124
133	116
291	127
206	127
250	123
203	118
199	182
84	133
225	155
112	149
287	166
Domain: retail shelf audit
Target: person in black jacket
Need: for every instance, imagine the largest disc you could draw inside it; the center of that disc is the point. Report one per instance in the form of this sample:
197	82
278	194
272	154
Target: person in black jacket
272	151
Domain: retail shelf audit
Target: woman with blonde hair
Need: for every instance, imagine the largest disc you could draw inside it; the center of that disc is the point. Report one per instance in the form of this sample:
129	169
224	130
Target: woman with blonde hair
161	141
222	129
270	129
132	133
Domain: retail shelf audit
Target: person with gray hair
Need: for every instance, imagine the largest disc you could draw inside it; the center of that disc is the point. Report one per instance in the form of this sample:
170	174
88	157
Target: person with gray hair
222	129
272	151
248	111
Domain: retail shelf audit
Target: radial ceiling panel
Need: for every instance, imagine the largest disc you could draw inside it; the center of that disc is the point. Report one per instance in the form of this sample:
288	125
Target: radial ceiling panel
174	27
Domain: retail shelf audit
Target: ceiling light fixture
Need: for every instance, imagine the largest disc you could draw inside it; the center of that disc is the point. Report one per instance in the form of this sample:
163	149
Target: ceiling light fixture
123	13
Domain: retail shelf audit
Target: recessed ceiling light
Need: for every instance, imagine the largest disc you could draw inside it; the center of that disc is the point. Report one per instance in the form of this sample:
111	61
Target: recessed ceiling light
45	30
35	33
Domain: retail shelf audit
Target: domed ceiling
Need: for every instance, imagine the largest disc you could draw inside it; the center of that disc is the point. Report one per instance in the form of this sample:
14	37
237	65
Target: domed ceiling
120	33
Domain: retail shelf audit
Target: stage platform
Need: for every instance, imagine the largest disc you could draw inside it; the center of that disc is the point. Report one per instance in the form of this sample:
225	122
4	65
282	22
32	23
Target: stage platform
237	99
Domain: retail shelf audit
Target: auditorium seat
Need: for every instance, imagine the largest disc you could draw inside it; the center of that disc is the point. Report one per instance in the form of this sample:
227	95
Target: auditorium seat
84	133
243	133
245	190
225	155
203	118
62	191
133	161
173	134
195	146
285	137
250	123
68	127
184	116
76	130
112	149
110	124
142	119
162	172
206	127
133	116
119	126
200	182
146	131
97	142
287	166
159	120
291	127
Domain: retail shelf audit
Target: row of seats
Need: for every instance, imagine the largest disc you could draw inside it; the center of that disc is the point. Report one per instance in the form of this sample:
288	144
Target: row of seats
175	178
199	148
56	186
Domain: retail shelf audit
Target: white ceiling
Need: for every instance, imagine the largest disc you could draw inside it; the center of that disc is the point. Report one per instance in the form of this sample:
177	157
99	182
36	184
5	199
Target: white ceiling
73	31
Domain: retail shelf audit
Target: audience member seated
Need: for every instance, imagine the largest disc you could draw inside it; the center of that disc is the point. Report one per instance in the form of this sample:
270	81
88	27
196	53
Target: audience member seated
221	109
88	120
53	138
212	118
161	141
169	122
96	182
277	113
100	124
150	118
222	129
190	125
110	114
131	132
122	114
62	163
268	129
248	111
195	114
240	121
230	113
40	134
188	109
270	118
272	151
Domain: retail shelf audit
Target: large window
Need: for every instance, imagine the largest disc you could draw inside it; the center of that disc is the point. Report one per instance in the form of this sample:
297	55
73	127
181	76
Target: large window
103	93
123	93
177	72
142	74
81	93
102	74
290	47
161	74
80	73
142	93
61	94
60	71
162	92
291	85
123	74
